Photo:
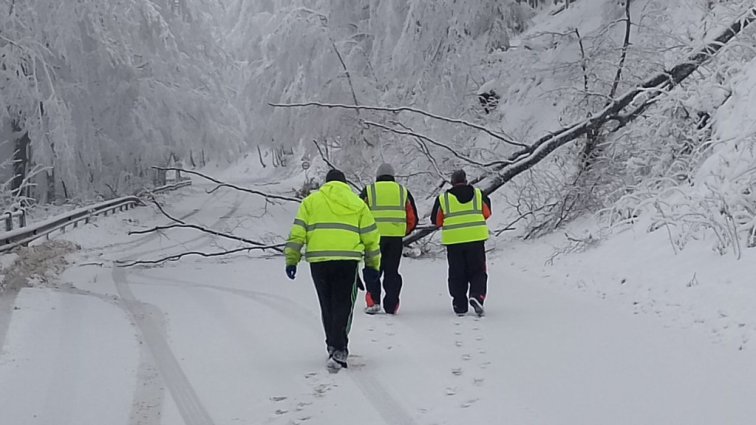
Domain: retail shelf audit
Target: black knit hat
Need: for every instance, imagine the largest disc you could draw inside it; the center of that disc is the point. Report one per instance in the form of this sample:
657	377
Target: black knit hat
459	177
335	175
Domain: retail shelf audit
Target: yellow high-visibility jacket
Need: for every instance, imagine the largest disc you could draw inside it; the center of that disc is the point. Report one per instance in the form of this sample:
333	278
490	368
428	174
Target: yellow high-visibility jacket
387	201
463	222
334	224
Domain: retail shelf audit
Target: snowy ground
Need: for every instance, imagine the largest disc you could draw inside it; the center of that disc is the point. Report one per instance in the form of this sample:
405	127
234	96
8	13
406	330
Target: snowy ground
618	334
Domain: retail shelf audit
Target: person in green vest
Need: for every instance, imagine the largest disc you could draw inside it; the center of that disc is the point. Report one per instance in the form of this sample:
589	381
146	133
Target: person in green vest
461	213
339	231
395	213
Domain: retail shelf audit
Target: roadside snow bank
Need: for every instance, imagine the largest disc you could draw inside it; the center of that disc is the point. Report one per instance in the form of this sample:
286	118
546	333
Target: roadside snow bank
35	266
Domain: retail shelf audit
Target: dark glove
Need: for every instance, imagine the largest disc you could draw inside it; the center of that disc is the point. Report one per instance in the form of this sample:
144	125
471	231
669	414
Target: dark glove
291	271
371	275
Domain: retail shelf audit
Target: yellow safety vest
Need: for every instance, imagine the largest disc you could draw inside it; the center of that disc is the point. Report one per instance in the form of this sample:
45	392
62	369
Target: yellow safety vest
463	222
335	224
387	201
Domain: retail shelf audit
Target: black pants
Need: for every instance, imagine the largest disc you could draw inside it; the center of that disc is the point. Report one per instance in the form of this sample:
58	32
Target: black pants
467	272
391	256
335	283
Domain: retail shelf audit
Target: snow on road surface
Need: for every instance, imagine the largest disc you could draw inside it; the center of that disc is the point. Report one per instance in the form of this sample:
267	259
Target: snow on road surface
232	341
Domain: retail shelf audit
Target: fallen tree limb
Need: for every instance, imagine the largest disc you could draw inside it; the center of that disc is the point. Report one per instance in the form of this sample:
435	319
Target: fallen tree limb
649	91
492	133
179	256
196	227
433	142
183	224
267	196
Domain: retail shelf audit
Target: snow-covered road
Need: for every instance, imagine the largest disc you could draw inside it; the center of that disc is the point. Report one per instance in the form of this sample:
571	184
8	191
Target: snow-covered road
232	341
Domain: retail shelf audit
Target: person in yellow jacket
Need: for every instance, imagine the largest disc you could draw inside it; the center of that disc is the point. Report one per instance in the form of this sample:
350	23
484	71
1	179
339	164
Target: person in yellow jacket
395	213
461	213
338	231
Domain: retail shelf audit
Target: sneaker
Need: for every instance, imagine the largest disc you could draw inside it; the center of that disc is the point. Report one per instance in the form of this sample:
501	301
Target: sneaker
332	365
373	309
337	361
461	314
477	306
340	356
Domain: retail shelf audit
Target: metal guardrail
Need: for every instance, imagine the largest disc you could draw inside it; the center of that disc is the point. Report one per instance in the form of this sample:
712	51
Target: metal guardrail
22	236
8	217
172	186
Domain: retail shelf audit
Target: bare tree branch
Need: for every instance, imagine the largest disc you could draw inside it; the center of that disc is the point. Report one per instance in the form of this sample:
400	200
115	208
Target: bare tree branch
177	257
623	56
488	131
346	71
435	143
232	186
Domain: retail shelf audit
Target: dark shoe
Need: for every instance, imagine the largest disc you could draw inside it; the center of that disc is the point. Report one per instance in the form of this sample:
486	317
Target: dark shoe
477	306
340	357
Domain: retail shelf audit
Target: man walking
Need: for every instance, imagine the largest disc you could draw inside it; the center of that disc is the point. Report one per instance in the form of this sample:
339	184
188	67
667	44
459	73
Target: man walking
461	213
339	231
395	214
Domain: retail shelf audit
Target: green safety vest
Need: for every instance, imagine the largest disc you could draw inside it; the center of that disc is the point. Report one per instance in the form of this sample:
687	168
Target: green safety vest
387	201
463	222
335	224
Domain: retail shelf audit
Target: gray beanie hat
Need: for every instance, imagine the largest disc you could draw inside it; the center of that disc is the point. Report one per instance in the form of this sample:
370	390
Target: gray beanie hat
385	170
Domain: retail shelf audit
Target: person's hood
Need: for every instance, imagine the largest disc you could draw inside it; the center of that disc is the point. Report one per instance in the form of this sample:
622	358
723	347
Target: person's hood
340	199
463	192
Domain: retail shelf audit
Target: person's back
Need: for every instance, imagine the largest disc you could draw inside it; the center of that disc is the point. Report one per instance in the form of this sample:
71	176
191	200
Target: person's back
461	212
338	231
395	214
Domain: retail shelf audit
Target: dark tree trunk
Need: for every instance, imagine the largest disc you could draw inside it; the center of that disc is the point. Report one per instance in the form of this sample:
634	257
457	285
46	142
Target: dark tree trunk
20	159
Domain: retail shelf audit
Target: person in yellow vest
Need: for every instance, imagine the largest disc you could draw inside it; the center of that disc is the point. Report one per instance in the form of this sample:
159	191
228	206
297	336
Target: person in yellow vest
339	231
395	213
461	213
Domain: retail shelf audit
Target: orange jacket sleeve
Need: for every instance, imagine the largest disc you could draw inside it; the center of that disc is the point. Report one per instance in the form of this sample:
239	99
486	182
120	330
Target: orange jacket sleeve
411	217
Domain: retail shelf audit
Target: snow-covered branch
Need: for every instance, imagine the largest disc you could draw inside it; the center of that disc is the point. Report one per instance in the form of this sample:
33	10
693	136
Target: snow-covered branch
220	184
492	133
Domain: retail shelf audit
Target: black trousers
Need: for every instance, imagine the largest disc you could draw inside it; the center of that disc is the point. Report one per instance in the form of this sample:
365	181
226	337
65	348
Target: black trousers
391	256
468	277
335	283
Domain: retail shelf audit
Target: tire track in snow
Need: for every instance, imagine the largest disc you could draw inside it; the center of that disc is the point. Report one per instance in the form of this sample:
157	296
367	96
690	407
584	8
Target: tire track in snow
7	302
188	403
375	393
157	363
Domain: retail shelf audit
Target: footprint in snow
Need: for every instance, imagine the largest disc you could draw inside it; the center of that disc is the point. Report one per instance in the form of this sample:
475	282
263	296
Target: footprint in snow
457	371
458	343
468	403
451	391
466	357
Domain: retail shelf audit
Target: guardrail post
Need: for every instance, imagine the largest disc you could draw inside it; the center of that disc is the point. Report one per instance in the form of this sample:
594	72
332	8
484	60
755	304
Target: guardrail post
22	218
9	222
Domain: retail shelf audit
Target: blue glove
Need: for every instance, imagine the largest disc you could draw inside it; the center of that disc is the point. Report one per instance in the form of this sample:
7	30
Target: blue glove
291	271
371	275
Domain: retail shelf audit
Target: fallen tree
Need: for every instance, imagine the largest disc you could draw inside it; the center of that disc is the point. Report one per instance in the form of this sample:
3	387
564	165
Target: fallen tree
621	111
633	104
